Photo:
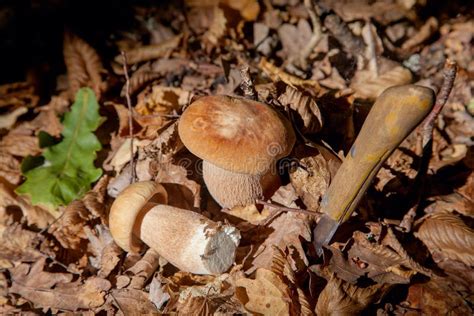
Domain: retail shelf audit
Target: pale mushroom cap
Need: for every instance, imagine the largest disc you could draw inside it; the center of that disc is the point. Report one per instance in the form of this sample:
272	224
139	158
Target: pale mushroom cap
236	134
127	206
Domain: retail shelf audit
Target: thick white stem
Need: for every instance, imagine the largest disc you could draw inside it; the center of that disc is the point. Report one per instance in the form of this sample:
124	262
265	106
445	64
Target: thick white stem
188	240
231	189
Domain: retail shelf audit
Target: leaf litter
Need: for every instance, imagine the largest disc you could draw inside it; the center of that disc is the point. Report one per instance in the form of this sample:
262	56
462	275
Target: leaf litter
407	250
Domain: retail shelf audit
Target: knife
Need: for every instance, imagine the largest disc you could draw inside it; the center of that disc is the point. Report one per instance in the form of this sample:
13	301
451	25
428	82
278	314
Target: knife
395	113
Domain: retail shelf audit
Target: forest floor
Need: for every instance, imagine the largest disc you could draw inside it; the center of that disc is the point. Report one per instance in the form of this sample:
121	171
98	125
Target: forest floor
85	84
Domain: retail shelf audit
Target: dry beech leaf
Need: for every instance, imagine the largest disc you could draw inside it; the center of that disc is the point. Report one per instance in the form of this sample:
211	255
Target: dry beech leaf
18	94
276	74
163	100
105	253
20	145
69	228
55	290
311	179
209	299
368	87
447	236
132	302
217	28
83	65
18	244
138	80
143	269
294	39
9	119
150	52
34	215
158	295
436	298
305	105
424	33
249	9
341	298
267	294
287	228
10	168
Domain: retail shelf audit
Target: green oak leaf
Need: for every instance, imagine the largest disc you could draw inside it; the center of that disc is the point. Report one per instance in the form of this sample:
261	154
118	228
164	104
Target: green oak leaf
69	168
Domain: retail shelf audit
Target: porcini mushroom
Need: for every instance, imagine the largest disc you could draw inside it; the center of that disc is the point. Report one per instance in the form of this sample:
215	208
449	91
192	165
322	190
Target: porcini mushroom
188	240
239	141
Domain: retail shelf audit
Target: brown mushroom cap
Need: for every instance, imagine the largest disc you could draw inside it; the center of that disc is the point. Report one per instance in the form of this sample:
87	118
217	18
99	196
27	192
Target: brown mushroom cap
126	209
236	134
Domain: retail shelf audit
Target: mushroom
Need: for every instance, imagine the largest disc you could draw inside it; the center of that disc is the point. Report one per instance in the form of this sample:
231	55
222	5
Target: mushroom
239	141
186	239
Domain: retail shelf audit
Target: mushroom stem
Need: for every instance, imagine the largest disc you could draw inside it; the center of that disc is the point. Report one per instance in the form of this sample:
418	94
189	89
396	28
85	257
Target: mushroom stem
188	240
231	189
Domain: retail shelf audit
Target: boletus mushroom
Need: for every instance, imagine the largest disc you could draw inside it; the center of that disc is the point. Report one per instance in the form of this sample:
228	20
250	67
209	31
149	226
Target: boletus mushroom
239	141
188	240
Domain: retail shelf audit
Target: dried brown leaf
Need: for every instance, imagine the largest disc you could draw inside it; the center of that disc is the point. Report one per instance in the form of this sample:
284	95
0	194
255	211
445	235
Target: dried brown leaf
367	86
249	9
158	294
132	302
55	290
448	236
424	33
105	253
18	244
287	228
163	100
277	74
9	119
150	52
83	65
138	80
18	94
436	298
141	271
267	294
341	298
217	28
305	105
34	215
20	145
10	168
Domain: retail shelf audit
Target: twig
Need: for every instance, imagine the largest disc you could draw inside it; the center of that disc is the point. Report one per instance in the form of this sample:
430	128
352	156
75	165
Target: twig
449	72
130	116
315	36
288	209
371	50
247	84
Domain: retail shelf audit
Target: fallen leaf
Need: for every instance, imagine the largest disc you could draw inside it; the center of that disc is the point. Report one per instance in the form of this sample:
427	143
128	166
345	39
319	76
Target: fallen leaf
10	168
287	228
158	294
267	294
9	119
132	302
18	94
341	298
105	253
447	235
367	86
150	52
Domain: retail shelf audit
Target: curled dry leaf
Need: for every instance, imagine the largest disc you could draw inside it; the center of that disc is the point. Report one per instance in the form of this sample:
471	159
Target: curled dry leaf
83	65
287	228
447	237
9	119
249	9
18	94
138	80
367	86
132	302
305	105
150	52
424	33
163	100
217	28
277	74
10	168
158	294
141	271
105	253
267	294
341	298
55	290
17	244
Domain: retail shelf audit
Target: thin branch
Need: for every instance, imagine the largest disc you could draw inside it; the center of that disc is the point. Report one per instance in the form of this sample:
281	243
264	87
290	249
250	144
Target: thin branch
130	116
449	72
288	209
315	36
